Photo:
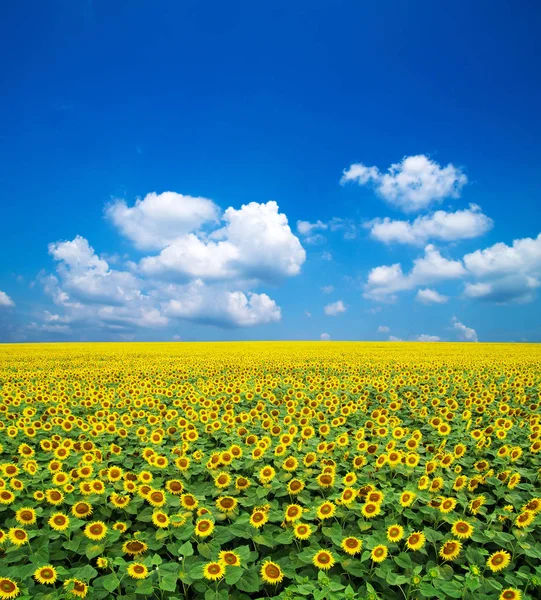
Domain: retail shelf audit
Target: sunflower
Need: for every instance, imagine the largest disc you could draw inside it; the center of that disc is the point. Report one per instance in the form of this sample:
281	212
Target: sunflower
160	519
348	496
295	486
242	483
189	501
119	501
351	545
81	510
204	527
475	505
407	498
156	498
416	540
229	558
524	519
134	547
462	529
6	497
302	531
379	553
102	563
226	504
222	480
510	594
17	536
96	530
8	588
450	550
395	533
59	521
120	526
498	561
326	510
370	510
54	497
75	587
258	518
213	571
25	516
447	505
293	513
271	572
266	474
137	570
323	560
46	575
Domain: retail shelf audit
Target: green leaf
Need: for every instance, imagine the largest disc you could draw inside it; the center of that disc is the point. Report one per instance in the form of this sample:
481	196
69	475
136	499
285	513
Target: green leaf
249	582
168	583
93	550
233	574
186	549
110	582
404	560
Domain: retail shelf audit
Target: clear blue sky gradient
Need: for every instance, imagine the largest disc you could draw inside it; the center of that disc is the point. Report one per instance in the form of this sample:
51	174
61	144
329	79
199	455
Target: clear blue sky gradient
249	101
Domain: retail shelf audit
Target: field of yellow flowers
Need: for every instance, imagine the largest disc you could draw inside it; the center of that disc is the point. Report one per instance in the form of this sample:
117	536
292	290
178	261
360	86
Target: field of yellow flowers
285	470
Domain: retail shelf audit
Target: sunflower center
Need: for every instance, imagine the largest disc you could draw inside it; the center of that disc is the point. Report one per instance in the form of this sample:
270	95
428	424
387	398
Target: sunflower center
272	572
7	586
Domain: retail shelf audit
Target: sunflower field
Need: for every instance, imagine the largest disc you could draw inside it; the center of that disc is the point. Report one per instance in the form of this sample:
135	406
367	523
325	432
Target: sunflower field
239	471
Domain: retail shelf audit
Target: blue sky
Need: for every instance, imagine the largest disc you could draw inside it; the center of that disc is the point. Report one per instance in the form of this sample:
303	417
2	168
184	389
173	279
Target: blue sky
203	171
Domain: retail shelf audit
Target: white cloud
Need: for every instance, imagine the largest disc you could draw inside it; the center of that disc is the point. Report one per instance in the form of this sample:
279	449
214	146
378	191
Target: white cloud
335	308
5	300
87	277
440	226
506	273
424	337
384	281
326	256
412	184
308	314
327	289
176	338
429	296
347	227
383	329
524	256
255	244
465	334
159	219
393	338
324	337
307	230
206	305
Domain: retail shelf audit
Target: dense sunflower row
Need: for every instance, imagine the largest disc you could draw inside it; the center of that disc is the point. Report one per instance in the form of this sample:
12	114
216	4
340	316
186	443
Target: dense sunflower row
298	470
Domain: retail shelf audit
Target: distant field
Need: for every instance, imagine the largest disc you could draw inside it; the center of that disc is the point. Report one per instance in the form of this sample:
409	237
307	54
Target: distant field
322	470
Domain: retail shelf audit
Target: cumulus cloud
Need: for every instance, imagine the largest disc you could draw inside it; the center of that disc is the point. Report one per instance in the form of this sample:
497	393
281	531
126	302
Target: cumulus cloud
308	231
429	296
223	308
384	281
335	308
203	276
505	273
158	220
87	277
412	184
5	300
347	227
439	226
465	334
324	337
327	289
383	329
255	243
424	337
